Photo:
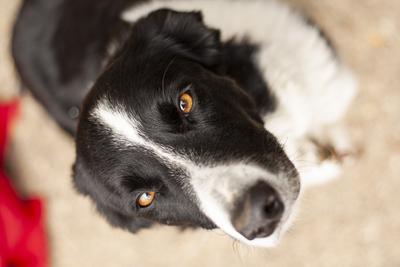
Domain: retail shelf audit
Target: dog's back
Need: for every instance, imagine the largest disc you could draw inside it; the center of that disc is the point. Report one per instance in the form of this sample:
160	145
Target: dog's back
59	47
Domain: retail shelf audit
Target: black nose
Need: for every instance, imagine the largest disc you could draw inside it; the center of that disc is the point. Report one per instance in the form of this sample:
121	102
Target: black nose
258	211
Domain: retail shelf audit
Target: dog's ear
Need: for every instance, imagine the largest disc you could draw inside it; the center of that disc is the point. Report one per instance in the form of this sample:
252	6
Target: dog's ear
183	33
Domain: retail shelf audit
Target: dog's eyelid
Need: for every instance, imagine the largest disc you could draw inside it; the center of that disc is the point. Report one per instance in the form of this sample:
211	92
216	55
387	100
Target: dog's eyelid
144	189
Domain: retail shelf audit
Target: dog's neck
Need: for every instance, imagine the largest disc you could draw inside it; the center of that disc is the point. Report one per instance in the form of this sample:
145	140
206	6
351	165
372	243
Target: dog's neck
238	63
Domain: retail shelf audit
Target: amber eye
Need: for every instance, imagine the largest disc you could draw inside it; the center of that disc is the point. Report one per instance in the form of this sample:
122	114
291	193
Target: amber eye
145	199
185	103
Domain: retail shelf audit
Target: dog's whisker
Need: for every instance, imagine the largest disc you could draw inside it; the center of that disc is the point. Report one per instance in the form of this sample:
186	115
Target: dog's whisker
165	73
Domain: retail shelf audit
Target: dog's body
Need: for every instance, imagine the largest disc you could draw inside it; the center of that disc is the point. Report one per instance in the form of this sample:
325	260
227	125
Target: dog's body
278	78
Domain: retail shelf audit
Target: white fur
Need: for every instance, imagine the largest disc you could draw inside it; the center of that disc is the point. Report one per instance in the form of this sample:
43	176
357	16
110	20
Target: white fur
215	187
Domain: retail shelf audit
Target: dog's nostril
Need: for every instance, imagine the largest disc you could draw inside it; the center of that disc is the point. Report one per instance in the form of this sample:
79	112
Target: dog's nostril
273	207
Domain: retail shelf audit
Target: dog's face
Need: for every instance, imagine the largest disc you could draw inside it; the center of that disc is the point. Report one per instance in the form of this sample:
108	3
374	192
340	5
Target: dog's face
164	138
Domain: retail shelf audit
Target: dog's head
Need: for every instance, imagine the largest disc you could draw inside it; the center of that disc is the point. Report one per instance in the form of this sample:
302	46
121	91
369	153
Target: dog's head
164	138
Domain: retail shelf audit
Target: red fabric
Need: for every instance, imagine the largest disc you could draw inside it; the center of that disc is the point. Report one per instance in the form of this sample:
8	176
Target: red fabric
22	237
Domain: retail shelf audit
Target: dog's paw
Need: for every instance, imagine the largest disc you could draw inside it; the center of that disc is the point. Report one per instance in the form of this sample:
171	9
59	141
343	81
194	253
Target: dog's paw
320	158
336	152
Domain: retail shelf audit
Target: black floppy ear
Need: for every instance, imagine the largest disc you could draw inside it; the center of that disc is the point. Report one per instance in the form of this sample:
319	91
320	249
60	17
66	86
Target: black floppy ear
183	33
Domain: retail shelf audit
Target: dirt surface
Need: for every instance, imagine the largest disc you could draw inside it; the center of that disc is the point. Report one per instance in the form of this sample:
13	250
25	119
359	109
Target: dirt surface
352	221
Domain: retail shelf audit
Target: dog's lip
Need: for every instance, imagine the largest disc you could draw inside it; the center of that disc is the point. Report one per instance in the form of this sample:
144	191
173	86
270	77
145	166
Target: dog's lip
263	242
268	241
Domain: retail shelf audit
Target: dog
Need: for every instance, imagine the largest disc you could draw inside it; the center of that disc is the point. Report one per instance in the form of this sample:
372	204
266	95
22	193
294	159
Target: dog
189	113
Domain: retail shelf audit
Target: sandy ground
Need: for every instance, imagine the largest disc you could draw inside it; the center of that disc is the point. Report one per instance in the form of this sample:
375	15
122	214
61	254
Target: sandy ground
352	221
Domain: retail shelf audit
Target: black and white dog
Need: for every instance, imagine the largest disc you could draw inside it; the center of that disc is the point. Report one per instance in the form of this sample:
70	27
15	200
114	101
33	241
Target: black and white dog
196	113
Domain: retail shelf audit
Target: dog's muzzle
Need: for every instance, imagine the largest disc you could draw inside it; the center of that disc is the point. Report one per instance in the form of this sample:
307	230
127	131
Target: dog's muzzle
246	201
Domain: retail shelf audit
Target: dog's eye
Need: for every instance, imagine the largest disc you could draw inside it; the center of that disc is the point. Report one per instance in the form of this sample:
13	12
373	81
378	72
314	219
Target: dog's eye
185	103
145	199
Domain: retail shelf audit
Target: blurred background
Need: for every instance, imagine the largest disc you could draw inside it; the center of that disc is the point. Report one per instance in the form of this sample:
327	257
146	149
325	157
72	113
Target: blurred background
352	221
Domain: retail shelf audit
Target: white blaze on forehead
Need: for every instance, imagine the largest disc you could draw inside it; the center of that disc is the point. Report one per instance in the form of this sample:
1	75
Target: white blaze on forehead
213	187
126	129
